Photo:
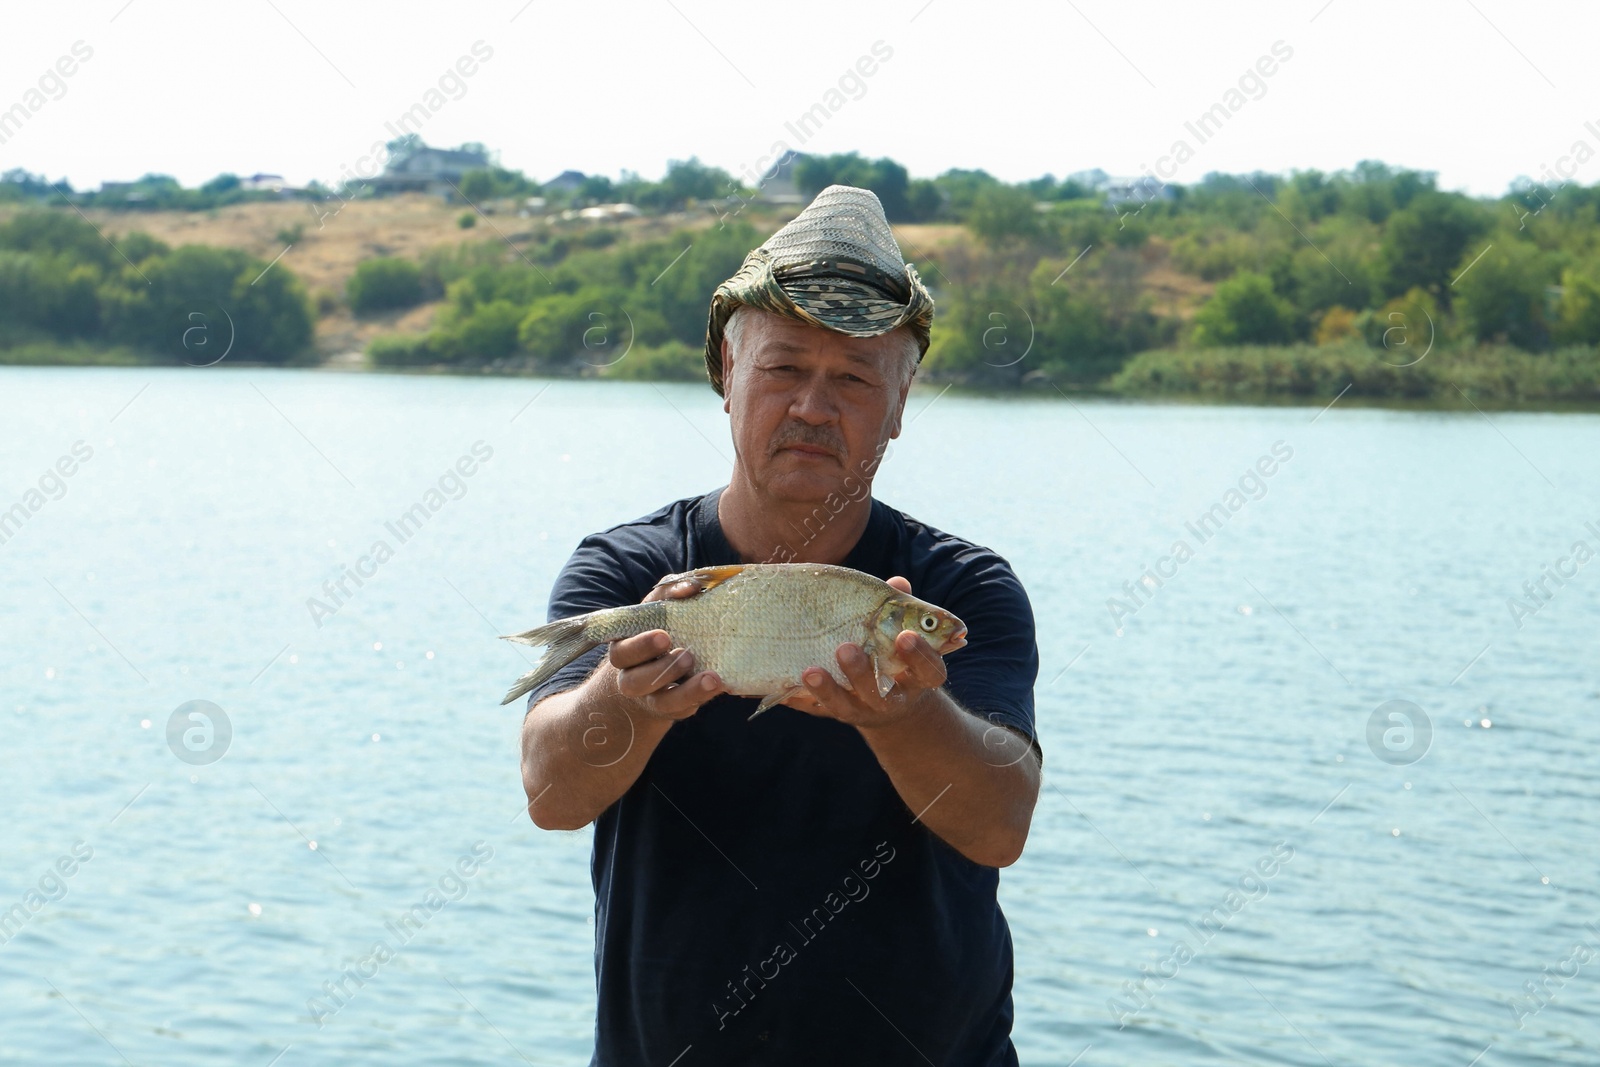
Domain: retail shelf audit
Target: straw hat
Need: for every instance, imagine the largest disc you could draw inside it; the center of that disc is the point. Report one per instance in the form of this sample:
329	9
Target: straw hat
835	265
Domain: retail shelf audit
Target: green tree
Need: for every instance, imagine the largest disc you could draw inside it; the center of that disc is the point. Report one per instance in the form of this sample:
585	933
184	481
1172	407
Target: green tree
1002	213
884	177
1244	311
477	185
263	312
960	189
1326	277
1502	294
1579	309
690	179
1311	195
50	292
61	232
1423	243
924	200
982	335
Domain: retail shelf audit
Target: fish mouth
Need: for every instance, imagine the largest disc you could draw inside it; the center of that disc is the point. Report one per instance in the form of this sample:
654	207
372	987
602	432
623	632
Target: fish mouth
955	641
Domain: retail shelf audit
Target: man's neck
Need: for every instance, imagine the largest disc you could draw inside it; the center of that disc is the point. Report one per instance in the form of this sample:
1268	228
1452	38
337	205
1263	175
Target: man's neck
764	529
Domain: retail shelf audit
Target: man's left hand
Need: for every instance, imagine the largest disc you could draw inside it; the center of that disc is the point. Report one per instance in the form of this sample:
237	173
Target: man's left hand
860	704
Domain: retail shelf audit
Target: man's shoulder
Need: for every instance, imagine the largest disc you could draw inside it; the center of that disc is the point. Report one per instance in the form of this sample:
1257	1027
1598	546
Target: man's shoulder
619	564
664	526
929	546
667	516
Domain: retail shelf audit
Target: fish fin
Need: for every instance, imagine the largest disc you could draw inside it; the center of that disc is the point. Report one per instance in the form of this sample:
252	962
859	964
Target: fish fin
773	699
884	671
567	640
885	682
708	577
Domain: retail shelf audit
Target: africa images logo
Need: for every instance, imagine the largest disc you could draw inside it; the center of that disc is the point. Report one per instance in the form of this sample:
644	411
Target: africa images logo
199	732
852	888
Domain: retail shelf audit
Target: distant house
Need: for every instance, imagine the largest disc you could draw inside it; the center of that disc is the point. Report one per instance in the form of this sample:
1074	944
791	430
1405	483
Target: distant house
568	181
1139	190
420	169
777	185
264	183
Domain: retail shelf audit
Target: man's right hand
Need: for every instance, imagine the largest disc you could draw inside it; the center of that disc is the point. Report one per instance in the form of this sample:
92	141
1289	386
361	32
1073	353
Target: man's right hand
584	747
658	678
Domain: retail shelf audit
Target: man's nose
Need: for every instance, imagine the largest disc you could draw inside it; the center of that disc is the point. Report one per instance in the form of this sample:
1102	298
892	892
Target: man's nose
814	401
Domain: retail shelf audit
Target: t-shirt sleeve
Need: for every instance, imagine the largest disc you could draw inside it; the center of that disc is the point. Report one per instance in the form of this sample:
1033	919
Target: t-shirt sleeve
994	675
600	574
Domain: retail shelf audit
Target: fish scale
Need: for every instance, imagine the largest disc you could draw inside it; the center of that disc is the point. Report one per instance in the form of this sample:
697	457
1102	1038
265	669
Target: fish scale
758	631
759	626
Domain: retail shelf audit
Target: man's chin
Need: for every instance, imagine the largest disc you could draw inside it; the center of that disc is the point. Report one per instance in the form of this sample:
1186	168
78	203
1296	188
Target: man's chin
807	486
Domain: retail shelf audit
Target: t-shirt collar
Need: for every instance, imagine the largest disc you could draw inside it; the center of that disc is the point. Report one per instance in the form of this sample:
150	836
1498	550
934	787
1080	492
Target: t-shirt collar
871	554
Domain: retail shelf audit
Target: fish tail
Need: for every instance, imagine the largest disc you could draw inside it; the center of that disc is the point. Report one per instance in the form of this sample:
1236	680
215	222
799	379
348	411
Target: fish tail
567	639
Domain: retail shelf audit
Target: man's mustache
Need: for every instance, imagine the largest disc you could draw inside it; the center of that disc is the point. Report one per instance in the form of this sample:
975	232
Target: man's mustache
816	436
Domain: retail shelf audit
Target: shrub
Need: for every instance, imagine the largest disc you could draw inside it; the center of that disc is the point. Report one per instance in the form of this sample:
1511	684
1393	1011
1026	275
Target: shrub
487	332
402	350
1405	326
1256	371
467	220
1214	257
1335	324
384	283
1244	310
673	361
1496	373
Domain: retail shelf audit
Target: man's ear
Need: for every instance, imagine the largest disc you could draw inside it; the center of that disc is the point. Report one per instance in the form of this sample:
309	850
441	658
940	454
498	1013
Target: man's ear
727	376
900	410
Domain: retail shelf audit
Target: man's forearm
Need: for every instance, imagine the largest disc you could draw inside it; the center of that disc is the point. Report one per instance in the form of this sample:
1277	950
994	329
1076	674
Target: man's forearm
582	749
972	783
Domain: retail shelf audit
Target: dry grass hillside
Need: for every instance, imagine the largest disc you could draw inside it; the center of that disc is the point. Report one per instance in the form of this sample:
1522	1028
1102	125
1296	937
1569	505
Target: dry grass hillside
323	242
333	238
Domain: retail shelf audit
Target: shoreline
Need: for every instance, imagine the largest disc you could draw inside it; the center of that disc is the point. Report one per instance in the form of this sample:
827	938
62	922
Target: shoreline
123	359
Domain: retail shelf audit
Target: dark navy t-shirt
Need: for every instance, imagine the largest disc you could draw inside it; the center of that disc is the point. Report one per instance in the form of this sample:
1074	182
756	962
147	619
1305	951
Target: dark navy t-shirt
763	895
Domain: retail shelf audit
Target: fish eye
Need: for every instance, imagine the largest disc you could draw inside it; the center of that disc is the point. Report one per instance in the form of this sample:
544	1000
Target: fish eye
929	623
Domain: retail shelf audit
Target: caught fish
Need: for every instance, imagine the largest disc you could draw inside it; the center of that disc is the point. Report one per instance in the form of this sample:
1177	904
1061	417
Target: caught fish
759	625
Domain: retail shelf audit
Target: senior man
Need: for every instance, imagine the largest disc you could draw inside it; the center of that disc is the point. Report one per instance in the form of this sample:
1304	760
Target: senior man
818	886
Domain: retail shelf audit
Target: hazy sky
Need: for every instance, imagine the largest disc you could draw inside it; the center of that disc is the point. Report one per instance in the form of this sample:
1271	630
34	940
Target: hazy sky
1479	90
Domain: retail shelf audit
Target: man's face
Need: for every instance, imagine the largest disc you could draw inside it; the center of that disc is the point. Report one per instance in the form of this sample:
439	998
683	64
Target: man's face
809	407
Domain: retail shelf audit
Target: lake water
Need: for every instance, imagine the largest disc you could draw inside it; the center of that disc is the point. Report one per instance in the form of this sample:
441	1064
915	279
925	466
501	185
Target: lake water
1223	734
